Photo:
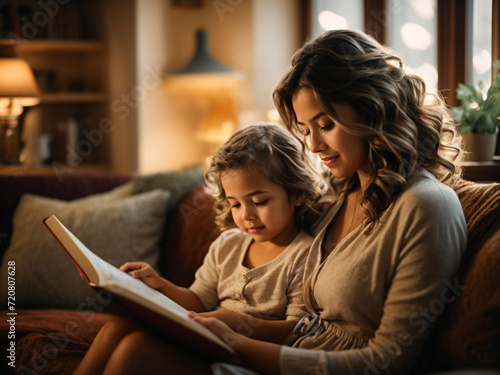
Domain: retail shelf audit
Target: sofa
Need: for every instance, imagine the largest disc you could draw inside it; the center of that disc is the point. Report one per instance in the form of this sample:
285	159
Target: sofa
50	316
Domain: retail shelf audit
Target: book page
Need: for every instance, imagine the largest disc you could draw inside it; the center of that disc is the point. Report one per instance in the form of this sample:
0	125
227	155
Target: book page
124	280
109	274
99	265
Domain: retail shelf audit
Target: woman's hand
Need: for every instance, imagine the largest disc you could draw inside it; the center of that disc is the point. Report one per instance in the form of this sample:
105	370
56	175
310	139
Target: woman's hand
144	272
227	316
220	328
259	355
277	331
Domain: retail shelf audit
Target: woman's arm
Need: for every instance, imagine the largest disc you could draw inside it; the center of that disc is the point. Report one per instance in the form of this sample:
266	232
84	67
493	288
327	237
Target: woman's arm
276	331
261	356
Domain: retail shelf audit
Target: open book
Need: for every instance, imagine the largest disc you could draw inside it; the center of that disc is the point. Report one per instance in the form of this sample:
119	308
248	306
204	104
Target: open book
155	308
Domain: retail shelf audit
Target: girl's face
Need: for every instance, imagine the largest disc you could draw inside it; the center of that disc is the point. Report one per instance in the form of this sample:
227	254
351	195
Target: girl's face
344	153
260	207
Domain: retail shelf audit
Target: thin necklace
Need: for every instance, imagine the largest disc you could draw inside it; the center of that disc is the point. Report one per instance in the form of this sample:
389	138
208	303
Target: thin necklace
353	220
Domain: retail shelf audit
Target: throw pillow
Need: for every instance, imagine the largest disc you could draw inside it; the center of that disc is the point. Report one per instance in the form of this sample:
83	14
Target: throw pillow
117	230
178	183
122	191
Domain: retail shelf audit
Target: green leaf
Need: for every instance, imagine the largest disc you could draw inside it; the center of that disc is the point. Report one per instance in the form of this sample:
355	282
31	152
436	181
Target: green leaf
492	103
458	113
466	128
485	123
482	123
465	92
478	114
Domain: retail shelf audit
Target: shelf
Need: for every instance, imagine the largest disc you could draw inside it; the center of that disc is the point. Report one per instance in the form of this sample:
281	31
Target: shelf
60	46
70	59
482	170
73	97
20	169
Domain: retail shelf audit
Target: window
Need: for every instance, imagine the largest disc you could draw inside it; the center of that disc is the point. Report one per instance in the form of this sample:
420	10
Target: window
444	41
482	20
335	14
411	33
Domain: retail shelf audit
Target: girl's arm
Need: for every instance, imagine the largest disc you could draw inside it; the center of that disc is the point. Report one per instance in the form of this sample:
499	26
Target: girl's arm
261	356
276	331
180	295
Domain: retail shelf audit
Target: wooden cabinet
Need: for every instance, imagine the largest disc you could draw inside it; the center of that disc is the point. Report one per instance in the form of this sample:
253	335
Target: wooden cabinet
63	43
482	171
73	99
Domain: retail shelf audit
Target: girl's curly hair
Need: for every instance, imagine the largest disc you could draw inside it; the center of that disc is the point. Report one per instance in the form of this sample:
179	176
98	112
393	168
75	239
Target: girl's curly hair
268	148
405	131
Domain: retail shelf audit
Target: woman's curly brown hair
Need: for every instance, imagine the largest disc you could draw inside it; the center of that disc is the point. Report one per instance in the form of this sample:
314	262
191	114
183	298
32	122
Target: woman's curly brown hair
405	131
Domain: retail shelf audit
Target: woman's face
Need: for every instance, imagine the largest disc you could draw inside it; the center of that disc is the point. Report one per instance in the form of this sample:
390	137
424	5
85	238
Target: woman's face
344	153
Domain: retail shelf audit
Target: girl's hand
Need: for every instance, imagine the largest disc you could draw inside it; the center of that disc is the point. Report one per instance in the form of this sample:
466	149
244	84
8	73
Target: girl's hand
220	328
144	272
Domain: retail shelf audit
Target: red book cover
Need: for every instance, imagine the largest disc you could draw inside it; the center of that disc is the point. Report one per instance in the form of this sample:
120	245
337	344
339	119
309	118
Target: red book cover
187	333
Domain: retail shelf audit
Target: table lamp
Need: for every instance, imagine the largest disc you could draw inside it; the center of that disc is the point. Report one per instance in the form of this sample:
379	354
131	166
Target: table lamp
18	89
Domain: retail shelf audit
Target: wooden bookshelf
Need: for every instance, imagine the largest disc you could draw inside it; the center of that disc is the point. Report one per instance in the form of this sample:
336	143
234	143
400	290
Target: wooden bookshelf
49	169
68	55
60	46
73	97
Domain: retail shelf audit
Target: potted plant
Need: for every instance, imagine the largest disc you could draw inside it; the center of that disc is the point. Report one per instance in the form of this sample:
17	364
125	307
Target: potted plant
479	118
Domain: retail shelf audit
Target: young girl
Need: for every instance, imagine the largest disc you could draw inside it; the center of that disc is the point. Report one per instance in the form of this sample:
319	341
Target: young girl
253	273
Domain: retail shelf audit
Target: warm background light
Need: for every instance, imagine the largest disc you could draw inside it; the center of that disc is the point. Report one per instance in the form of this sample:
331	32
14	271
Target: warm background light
18	82
203	78
18	89
221	120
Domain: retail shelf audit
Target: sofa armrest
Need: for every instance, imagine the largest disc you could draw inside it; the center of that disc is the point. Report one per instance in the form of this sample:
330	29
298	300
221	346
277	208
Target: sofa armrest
468	333
471	332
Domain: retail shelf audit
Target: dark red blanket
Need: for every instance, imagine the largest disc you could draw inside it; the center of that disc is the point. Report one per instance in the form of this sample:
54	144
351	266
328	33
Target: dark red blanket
48	341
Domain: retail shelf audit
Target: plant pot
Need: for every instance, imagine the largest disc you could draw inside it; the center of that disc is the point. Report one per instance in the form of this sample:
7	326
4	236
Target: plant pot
479	146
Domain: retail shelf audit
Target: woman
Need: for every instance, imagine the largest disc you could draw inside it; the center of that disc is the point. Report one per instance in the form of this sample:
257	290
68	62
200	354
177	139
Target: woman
392	233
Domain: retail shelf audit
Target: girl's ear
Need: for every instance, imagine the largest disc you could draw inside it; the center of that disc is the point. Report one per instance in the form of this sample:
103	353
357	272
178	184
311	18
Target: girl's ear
299	199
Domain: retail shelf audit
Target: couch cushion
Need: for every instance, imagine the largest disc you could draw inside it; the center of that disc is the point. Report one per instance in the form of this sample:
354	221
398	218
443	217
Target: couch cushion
469	331
118	230
481	206
190	231
178	183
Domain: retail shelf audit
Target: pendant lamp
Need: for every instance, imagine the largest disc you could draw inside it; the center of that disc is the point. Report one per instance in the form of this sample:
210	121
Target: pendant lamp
205	77
203	72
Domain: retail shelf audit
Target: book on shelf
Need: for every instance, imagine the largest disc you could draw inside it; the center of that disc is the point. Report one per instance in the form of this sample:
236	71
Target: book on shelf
160	312
34	19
